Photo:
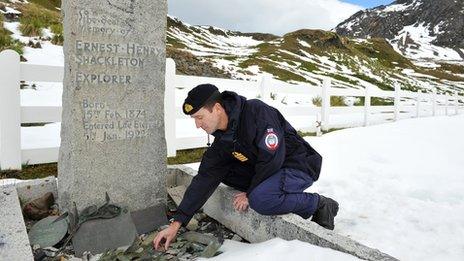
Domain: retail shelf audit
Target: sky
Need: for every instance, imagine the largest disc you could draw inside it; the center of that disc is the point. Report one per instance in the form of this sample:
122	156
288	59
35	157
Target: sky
268	16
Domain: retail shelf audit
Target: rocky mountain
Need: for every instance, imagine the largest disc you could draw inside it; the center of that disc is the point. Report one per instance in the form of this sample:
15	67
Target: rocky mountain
304	56
413	24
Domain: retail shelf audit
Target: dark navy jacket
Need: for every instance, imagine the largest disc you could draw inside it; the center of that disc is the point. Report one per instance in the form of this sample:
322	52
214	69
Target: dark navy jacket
257	143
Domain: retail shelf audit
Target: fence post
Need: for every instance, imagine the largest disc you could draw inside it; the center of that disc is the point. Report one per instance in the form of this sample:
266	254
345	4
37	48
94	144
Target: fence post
170	108
318	125
397	101
456	102
446	103
263	86
10	111
418	102
325	104
434	102
367	106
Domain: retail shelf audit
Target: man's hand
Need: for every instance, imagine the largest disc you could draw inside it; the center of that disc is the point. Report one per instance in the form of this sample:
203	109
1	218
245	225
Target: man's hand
241	202
166	236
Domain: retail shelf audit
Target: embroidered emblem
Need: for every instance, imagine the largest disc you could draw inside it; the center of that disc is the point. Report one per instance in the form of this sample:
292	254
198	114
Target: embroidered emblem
188	107
271	140
239	156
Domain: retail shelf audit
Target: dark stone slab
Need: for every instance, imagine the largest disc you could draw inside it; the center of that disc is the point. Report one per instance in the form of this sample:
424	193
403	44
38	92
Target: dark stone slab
100	235
149	219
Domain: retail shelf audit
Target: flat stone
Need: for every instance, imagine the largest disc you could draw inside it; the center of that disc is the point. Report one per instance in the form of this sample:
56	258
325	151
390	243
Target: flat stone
112	131
177	193
192	225
149	219
258	228
14	241
100	235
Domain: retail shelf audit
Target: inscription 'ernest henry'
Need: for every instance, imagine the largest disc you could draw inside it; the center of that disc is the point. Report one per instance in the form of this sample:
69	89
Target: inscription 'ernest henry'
128	48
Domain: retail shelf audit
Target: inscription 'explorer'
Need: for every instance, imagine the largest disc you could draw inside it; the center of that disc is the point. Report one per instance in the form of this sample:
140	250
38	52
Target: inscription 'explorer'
103	78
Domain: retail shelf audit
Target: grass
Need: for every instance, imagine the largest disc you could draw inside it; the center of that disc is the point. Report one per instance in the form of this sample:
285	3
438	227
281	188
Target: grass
57	30
187	156
379	84
51	169
35	18
49	4
7	42
303	134
31	172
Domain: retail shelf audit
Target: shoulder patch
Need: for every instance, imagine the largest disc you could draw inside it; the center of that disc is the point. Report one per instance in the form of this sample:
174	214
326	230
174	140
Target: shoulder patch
271	140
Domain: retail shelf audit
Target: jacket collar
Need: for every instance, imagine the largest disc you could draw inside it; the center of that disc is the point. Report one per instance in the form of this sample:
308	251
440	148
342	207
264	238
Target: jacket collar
233	105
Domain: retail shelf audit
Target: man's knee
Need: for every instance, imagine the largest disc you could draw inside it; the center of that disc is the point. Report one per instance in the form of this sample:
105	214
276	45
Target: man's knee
262	204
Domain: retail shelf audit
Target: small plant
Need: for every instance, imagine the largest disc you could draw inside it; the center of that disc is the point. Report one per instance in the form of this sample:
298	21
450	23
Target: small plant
35	18
317	101
337	101
57	30
7	42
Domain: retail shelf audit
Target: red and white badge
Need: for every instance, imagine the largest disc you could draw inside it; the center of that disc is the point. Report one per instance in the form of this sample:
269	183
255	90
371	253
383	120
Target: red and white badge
271	140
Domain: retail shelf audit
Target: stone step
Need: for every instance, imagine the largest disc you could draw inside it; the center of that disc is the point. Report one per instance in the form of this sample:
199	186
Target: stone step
15	242
258	228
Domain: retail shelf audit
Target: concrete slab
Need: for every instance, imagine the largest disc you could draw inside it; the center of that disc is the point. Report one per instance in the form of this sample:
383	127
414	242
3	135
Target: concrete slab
257	228
12	228
31	189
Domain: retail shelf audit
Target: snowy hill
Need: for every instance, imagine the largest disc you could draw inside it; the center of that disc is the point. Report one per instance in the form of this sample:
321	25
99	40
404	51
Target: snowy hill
301	56
428	31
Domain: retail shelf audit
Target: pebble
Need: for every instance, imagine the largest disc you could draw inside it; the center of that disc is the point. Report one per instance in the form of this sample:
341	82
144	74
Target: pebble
236	238
192	225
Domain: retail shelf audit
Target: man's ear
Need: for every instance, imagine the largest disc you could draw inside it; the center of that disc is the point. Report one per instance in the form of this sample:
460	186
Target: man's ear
218	107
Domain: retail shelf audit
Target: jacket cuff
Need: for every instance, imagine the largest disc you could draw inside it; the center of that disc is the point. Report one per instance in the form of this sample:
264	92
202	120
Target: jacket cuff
182	218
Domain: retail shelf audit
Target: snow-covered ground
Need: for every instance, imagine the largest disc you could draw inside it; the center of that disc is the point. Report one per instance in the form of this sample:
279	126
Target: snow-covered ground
400	187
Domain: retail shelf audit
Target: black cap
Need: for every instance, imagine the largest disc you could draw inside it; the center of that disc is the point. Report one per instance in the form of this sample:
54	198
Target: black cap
198	97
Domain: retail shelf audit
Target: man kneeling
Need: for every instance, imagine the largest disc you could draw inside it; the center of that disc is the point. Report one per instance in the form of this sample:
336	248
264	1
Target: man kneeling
256	151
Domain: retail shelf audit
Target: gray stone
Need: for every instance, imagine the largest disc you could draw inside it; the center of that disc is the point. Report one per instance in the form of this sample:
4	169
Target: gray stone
177	193
258	228
149	219
192	225
15	241
35	188
99	235
47	233
112	131
237	238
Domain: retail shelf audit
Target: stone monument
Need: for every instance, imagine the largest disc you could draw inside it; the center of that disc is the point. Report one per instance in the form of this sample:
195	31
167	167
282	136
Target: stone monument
112	130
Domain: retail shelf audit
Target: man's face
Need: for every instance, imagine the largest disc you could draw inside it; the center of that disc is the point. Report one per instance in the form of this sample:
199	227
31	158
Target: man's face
207	120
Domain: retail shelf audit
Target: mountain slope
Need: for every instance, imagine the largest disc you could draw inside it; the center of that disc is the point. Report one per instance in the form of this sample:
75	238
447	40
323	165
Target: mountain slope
306	56
427	31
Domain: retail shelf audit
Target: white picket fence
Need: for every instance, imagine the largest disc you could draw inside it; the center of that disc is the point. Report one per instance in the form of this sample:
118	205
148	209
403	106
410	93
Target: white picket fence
12	114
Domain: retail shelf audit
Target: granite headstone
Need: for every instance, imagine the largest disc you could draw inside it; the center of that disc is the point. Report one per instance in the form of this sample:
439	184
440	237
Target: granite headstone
112	130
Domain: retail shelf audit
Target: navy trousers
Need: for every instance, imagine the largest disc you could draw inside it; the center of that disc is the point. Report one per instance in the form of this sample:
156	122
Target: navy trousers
282	193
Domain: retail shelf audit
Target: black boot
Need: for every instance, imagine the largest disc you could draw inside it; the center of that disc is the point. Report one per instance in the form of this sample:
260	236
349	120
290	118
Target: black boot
326	211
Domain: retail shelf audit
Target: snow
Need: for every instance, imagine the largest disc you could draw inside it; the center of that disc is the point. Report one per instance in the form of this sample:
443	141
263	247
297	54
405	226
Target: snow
399	178
277	249
422	49
400	188
9	10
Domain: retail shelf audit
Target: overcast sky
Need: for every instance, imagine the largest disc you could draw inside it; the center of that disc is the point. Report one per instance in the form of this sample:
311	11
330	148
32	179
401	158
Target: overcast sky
268	16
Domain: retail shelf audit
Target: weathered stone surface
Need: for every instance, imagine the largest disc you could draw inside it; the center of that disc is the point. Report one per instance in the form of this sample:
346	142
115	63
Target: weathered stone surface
99	235
112	131
15	243
31	189
177	193
149	219
257	228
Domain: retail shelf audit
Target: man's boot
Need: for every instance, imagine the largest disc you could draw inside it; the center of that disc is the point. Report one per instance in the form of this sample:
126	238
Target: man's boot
326	211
